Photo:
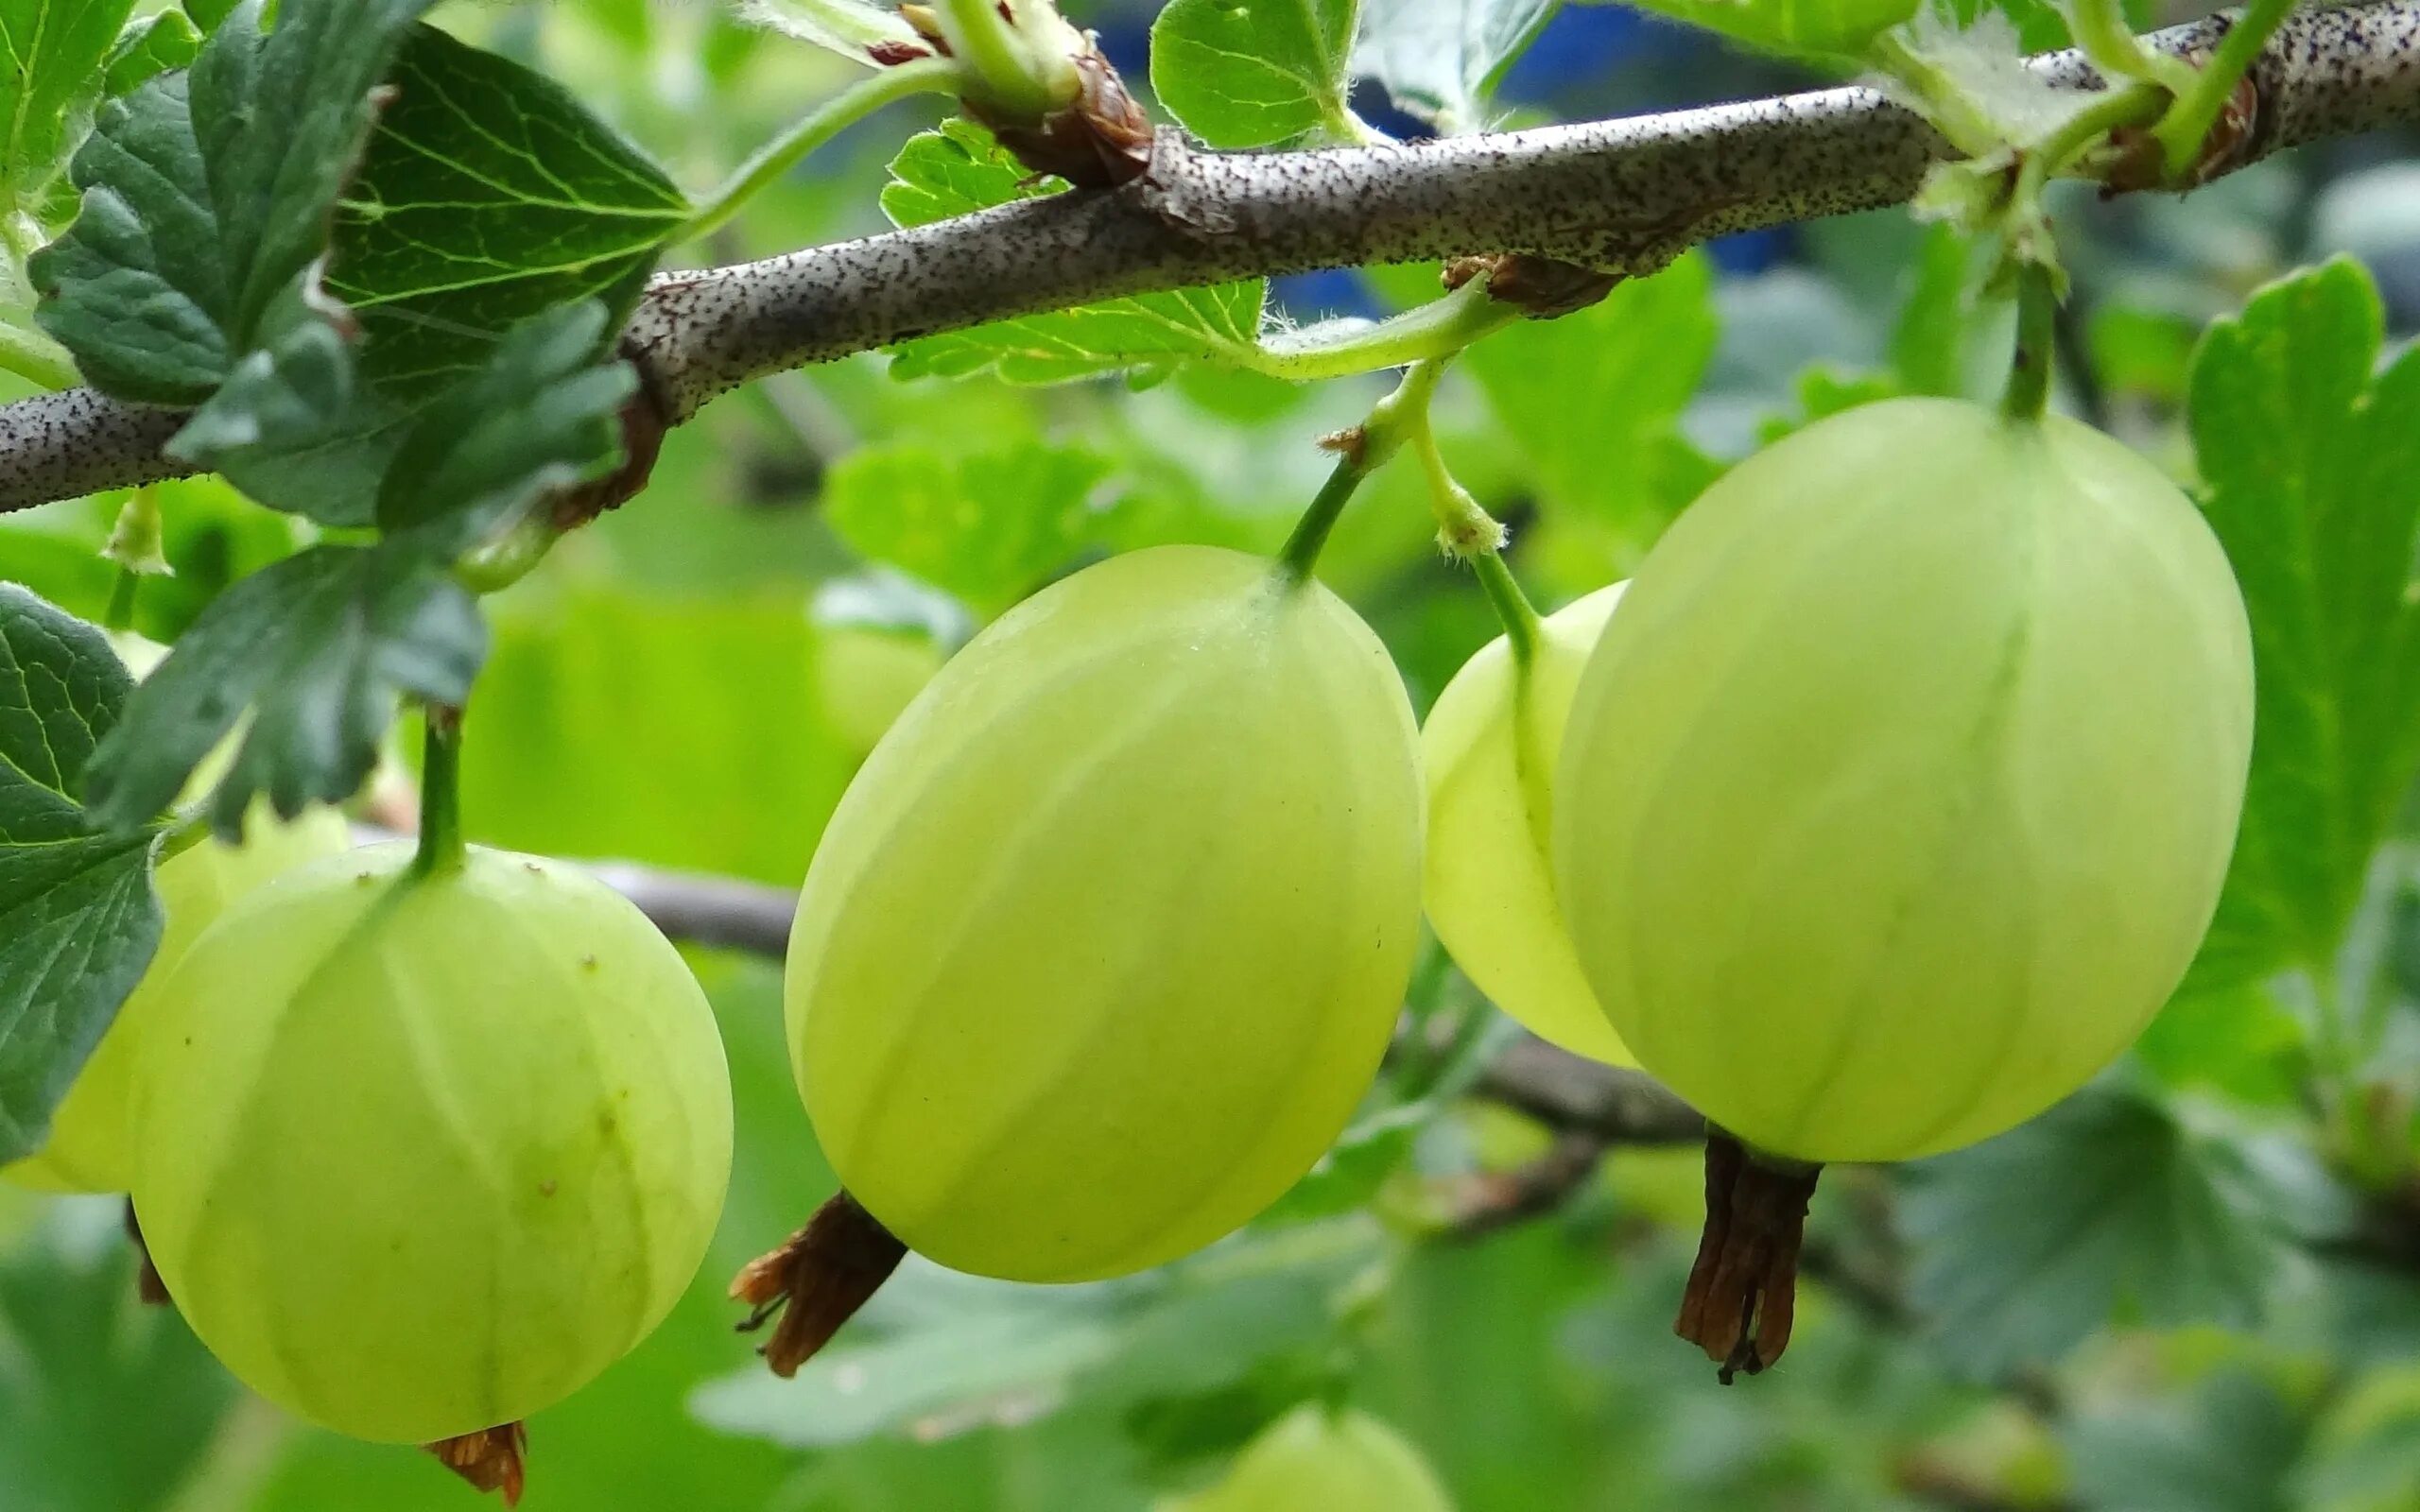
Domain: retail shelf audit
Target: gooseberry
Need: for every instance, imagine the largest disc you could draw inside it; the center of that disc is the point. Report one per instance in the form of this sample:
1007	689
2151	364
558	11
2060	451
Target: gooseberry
1106	941
1320	1459
419	1154
1897	798
1488	750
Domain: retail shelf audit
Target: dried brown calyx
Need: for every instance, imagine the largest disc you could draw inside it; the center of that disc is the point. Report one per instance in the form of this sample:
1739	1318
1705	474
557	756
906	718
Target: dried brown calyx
492	1459
817	1281
1743	1290
147	1284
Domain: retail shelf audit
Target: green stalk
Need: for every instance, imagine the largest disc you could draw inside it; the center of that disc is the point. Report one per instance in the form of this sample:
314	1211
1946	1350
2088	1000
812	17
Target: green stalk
1522	630
2028	371
819	126
2187	123
1301	553
35	358
440	796
997	63
1438	329
120	615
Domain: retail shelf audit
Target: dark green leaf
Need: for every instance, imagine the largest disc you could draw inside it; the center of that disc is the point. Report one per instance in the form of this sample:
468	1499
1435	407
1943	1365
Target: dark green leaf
2312	470
136	289
541	415
317	650
208	194
487	195
1254	73
1440	59
292	426
959	169
1592	397
2108	1205
149	48
51	54
989	528
78	919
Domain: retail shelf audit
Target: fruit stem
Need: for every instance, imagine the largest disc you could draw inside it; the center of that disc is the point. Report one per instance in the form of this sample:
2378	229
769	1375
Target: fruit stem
120	615
1360	451
2186	125
811	131
817	1281
2028	371
1522	631
1743	1290
440	797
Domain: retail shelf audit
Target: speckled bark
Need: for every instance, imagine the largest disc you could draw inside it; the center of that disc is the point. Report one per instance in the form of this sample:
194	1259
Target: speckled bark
1621	195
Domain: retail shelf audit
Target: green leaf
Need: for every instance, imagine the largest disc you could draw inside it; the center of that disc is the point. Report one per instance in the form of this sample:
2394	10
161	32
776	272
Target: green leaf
2233	1445
938	1352
292	426
487	195
1592	399
2106	1205
990	529
78	919
1255	72
2311	468
1833	28
149	48
1439	60
87	1364
207	195
317	650
51	56
959	169
541	416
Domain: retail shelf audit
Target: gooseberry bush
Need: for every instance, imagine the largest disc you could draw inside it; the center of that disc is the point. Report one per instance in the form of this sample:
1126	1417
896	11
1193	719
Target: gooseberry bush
1170	886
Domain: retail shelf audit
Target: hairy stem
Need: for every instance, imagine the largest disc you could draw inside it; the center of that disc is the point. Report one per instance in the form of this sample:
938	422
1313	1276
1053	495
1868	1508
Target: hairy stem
441	794
2028	369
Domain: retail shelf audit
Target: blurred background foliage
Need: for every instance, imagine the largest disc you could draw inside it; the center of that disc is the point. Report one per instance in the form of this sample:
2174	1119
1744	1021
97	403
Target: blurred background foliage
2195	1288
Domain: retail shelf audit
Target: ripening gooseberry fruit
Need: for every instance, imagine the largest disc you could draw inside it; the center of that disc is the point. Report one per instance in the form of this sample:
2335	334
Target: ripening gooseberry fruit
1319	1459
420	1154
1488	750
1897	798
1104	943
86	1149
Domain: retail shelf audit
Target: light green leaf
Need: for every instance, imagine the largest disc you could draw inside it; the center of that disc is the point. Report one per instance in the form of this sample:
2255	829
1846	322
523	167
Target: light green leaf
51	56
1439	60
1592	398
2311	467
853	29
1255	72
150	47
78	919
957	169
990	528
1831	28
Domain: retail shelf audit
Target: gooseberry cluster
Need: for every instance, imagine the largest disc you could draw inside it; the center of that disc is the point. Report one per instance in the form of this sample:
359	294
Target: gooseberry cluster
1878	812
